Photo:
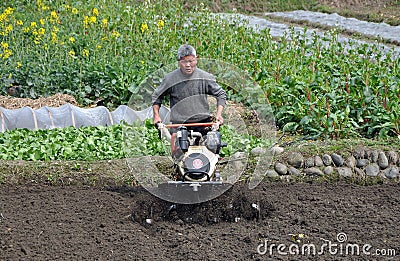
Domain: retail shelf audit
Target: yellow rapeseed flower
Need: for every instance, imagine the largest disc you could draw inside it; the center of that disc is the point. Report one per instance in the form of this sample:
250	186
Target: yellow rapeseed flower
85	52
42	22
55	29
104	22
19	64
4	45
54	15
54	38
20	22
74	11
72	39
92	19
26	29
42	31
86	21
33	24
71	53
9	11
160	24
98	46
8	29
95	11
115	34
144	27
66	7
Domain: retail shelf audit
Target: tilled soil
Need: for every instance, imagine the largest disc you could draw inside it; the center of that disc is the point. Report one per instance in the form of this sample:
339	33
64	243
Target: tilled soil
342	221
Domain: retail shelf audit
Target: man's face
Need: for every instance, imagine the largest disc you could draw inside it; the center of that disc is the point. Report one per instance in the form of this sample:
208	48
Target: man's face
187	64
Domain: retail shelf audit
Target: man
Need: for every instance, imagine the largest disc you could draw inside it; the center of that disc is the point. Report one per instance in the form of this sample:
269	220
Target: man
188	87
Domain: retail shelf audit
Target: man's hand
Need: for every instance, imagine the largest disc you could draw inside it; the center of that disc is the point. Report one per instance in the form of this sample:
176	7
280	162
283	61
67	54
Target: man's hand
158	124
219	119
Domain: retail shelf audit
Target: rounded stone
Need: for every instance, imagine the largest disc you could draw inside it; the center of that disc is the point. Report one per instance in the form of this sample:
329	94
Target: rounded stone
373	156
295	159
293	171
329	170
351	162
361	163
372	170
393	157
383	160
281	169
337	160
327	159
313	172
276	150
345	171
309	162
391	173
318	161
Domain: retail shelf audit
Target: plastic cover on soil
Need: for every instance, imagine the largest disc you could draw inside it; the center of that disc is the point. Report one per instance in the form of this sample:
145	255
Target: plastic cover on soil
69	115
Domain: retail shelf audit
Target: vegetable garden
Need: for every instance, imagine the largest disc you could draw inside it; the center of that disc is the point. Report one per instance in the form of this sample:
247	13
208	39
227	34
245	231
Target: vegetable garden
100	53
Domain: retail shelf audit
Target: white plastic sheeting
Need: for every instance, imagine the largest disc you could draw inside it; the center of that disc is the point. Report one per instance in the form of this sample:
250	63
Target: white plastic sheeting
69	115
280	29
369	28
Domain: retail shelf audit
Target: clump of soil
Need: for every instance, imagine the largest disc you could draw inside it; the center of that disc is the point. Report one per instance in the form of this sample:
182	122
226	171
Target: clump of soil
238	203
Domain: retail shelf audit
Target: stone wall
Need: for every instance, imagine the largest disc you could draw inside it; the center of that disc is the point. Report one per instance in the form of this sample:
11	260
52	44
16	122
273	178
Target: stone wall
363	162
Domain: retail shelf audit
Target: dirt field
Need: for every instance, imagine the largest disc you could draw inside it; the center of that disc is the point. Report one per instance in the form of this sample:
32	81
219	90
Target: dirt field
274	221
75	223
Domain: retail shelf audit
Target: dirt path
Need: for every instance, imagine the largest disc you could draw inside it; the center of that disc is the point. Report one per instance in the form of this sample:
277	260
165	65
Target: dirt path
74	223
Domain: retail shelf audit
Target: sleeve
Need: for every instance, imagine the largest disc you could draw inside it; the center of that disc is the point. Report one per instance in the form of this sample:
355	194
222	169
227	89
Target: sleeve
215	90
159	94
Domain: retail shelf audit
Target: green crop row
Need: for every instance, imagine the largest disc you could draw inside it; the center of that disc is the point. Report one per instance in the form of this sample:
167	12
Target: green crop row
87	143
102	143
103	50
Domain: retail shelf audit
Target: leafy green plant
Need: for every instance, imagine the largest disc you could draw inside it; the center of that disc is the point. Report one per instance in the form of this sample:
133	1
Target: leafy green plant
102	52
102	143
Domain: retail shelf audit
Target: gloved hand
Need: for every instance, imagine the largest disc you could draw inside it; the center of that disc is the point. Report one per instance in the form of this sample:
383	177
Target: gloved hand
158	126
163	131
215	126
